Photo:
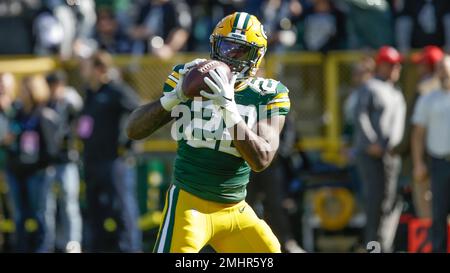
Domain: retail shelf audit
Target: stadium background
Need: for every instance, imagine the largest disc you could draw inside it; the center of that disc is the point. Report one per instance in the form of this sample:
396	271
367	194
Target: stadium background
319	83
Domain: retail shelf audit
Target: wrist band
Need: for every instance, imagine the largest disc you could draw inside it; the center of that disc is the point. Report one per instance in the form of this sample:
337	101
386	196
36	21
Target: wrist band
231	116
169	101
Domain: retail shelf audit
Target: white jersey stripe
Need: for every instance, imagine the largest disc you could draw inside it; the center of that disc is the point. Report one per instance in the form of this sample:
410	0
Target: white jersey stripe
166	222
242	16
278	100
173	78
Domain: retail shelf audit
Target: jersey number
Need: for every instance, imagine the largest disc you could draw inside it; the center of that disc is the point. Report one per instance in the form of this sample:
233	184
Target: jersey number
207	128
266	86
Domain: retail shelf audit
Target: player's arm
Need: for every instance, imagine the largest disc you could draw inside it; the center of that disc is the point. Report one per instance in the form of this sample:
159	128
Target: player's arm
258	146
148	118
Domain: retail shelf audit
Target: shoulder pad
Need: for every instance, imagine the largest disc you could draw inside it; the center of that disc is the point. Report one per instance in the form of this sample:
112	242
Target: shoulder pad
267	86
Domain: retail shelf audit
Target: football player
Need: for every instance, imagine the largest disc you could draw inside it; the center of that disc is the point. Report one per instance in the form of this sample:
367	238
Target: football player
206	202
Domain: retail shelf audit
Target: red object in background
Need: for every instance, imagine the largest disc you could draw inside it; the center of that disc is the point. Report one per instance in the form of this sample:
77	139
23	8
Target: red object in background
419	239
388	54
430	55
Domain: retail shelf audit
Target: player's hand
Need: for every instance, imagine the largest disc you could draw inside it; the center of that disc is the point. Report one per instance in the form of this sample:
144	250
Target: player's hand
182	72
223	95
420	171
375	150
171	99
191	64
222	88
180	94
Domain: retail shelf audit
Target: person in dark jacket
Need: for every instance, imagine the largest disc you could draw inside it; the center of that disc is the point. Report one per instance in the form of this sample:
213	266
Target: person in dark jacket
110	180
162	28
67	103
380	121
7	86
30	150
420	23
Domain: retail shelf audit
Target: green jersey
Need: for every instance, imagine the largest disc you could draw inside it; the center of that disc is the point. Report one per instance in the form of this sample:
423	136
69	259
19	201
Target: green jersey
207	164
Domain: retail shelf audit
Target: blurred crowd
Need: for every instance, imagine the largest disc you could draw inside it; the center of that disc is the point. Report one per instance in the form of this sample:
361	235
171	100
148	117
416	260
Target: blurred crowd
163	27
43	129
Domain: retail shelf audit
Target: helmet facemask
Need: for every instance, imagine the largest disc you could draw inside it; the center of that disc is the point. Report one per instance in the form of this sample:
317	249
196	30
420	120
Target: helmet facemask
242	57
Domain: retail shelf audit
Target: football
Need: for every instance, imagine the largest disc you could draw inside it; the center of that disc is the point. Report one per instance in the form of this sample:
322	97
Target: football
193	81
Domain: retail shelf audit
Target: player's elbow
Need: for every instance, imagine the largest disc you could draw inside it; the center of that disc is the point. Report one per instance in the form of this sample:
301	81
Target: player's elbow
258	169
259	165
261	161
132	133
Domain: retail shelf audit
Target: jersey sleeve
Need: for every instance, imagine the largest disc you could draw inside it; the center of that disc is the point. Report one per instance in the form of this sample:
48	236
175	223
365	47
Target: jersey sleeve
173	78
276	102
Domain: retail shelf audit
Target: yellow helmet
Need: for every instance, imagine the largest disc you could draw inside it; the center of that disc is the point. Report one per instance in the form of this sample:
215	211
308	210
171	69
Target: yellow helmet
239	40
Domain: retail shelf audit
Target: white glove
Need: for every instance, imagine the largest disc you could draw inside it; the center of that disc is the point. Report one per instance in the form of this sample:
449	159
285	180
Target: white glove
223	96
171	99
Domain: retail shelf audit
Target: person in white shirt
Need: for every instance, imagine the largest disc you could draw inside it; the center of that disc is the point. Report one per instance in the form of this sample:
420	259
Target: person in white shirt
431	133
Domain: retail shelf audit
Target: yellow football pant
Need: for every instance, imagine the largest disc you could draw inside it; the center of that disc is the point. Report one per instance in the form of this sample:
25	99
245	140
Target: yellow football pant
189	223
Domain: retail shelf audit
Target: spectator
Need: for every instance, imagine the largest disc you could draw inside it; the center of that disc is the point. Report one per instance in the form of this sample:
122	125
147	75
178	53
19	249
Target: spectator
66	102
55	27
30	149
7	86
67	21
17	15
202	25
421	23
109	35
206	14
162	28
110	180
48	32
120	8
322	27
431	133
279	17
2	218
361	73
84	45
369	24
86	18
380	123
427	62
